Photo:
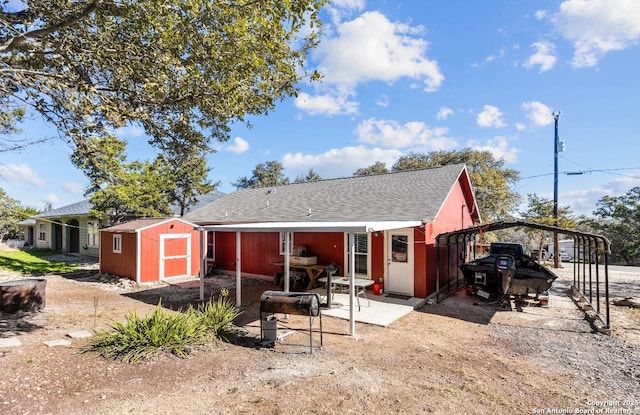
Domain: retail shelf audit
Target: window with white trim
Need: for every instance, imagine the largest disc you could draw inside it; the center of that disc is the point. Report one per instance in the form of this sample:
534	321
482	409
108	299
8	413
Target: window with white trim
42	232
117	243
361	242
282	243
93	234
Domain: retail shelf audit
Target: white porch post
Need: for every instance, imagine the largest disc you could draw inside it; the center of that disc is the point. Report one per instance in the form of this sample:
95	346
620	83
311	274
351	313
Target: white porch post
352	282
203	261
238	270
287	242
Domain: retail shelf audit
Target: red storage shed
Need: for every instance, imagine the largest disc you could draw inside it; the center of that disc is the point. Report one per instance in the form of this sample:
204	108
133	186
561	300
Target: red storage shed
151	249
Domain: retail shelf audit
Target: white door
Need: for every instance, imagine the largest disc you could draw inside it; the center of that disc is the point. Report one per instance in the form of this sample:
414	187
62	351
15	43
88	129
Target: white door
400	262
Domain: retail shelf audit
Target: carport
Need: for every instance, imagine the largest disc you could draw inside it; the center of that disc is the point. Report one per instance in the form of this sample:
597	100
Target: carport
586	279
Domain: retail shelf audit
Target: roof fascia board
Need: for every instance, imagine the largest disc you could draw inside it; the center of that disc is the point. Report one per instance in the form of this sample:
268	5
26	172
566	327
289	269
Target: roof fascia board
359	226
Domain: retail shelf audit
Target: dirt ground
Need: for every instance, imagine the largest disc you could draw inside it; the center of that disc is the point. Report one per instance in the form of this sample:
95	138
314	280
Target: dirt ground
459	356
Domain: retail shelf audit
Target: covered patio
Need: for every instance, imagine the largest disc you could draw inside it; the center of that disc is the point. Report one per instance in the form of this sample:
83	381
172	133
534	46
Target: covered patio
287	228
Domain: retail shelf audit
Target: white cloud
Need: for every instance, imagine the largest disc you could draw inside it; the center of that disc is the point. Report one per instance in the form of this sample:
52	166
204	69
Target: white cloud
538	113
372	48
51	198
239	146
130	131
490	117
498	147
520	126
540	14
444	113
383	101
598	26
73	187
416	135
544	57
501	54
341	162
328	104
584	201
20	173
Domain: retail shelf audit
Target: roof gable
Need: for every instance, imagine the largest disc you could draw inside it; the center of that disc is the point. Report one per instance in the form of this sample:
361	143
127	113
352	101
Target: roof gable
137	225
406	195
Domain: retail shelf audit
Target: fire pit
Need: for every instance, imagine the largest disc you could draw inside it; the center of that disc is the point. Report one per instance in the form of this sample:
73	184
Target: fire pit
22	295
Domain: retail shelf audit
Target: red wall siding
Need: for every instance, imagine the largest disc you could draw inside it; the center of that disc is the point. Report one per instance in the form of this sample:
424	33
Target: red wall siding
327	246
420	265
454	215
121	264
378	261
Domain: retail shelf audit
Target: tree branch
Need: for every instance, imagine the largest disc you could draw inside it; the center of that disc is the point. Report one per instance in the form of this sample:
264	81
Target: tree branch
17	41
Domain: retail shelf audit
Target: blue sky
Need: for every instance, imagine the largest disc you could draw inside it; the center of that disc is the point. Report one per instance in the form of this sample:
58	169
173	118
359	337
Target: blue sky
419	76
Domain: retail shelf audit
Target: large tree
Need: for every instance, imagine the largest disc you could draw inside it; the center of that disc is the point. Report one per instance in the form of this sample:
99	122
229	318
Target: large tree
540	210
311	176
12	212
378	167
491	181
270	173
120	189
620	223
183	70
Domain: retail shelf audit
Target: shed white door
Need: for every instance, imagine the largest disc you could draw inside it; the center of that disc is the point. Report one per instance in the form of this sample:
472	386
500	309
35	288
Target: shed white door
400	262
175	255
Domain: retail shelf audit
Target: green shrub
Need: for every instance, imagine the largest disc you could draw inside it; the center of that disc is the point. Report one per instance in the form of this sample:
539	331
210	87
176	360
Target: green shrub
177	333
217	317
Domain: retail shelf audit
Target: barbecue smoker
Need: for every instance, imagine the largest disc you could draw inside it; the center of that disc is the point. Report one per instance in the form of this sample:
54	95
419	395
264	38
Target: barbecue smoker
302	304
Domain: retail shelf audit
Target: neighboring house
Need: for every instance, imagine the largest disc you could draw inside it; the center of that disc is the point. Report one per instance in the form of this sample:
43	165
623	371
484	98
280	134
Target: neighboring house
392	219
26	231
71	229
147	250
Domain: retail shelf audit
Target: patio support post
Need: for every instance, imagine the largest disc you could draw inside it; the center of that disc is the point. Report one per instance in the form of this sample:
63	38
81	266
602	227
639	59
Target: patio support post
352	282
287	254
238	269
203	261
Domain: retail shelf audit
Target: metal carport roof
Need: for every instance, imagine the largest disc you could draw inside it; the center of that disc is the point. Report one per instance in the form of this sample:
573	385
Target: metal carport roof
584	239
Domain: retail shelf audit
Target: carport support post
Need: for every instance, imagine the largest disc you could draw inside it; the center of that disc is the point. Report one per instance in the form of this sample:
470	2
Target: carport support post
238	269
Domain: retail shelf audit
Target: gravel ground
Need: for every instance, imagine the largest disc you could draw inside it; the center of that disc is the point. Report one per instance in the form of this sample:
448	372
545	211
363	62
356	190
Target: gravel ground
462	355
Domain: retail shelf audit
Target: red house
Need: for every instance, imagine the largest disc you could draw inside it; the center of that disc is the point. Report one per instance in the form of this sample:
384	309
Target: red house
148	250
392	219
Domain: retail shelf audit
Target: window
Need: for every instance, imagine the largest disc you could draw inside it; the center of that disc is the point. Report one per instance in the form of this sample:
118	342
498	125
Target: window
117	243
42	232
361	242
92	234
211	252
282	242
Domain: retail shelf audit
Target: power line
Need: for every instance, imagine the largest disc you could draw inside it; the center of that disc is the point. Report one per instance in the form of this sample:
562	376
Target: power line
576	173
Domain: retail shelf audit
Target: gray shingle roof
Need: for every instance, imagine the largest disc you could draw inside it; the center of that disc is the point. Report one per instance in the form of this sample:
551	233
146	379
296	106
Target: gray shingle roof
82	208
407	195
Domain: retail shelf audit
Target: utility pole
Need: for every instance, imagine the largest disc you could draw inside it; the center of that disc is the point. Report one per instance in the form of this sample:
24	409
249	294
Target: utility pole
556	141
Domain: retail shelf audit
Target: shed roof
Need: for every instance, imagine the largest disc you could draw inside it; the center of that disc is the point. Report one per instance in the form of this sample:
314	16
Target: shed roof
137	225
415	195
